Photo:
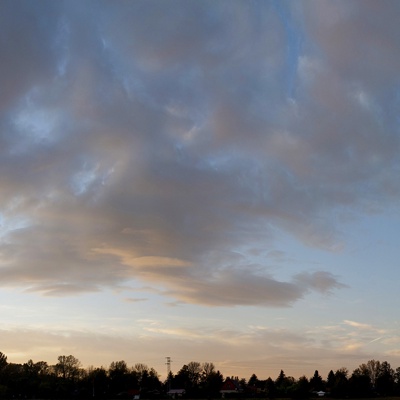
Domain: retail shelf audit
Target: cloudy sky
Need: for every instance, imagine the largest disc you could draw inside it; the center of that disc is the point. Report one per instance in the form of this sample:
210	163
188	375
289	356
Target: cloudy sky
205	180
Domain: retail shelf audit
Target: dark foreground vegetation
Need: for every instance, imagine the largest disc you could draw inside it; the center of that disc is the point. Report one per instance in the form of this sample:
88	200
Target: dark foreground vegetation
67	379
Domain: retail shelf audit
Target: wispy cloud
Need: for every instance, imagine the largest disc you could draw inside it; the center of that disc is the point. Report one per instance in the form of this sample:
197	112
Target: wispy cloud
358	325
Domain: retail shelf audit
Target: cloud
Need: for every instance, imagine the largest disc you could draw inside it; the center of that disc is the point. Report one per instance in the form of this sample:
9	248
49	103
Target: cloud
321	281
358	325
135	300
353	339
235	351
159	142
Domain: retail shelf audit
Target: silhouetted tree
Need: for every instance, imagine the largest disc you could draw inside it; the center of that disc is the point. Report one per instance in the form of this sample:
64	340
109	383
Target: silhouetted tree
396	389
3	361
68	367
96	382
121	378
316	382
194	373
340	387
280	380
385	379
371	368
188	378
270	388
181	379
330	381
360	383
13	378
149	381
253	381
207	368
210	380
301	389
142	371
31	378
169	381
213	384
283	384
3	364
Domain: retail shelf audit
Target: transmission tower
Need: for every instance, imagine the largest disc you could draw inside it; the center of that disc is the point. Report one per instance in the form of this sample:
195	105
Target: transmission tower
168	362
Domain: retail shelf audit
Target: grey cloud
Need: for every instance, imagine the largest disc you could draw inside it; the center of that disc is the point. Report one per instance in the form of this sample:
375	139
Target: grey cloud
62	289
138	300
241	285
164	130
25	47
321	281
357	41
352	92
238	288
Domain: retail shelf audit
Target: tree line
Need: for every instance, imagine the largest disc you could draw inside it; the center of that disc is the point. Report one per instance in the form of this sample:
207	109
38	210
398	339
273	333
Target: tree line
371	379
68	379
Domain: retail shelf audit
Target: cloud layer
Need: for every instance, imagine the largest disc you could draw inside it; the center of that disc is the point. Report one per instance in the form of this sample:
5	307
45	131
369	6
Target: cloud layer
243	350
170	142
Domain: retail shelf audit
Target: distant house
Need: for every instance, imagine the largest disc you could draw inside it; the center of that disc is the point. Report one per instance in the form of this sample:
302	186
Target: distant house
230	386
174	393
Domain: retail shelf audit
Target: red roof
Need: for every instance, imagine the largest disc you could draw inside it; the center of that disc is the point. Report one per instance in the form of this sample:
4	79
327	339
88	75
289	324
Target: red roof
230	385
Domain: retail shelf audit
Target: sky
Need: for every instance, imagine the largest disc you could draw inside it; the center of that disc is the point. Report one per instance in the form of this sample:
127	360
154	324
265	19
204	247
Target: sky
211	181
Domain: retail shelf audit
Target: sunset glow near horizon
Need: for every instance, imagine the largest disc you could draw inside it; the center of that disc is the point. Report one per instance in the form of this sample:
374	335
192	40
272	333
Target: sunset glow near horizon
212	181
